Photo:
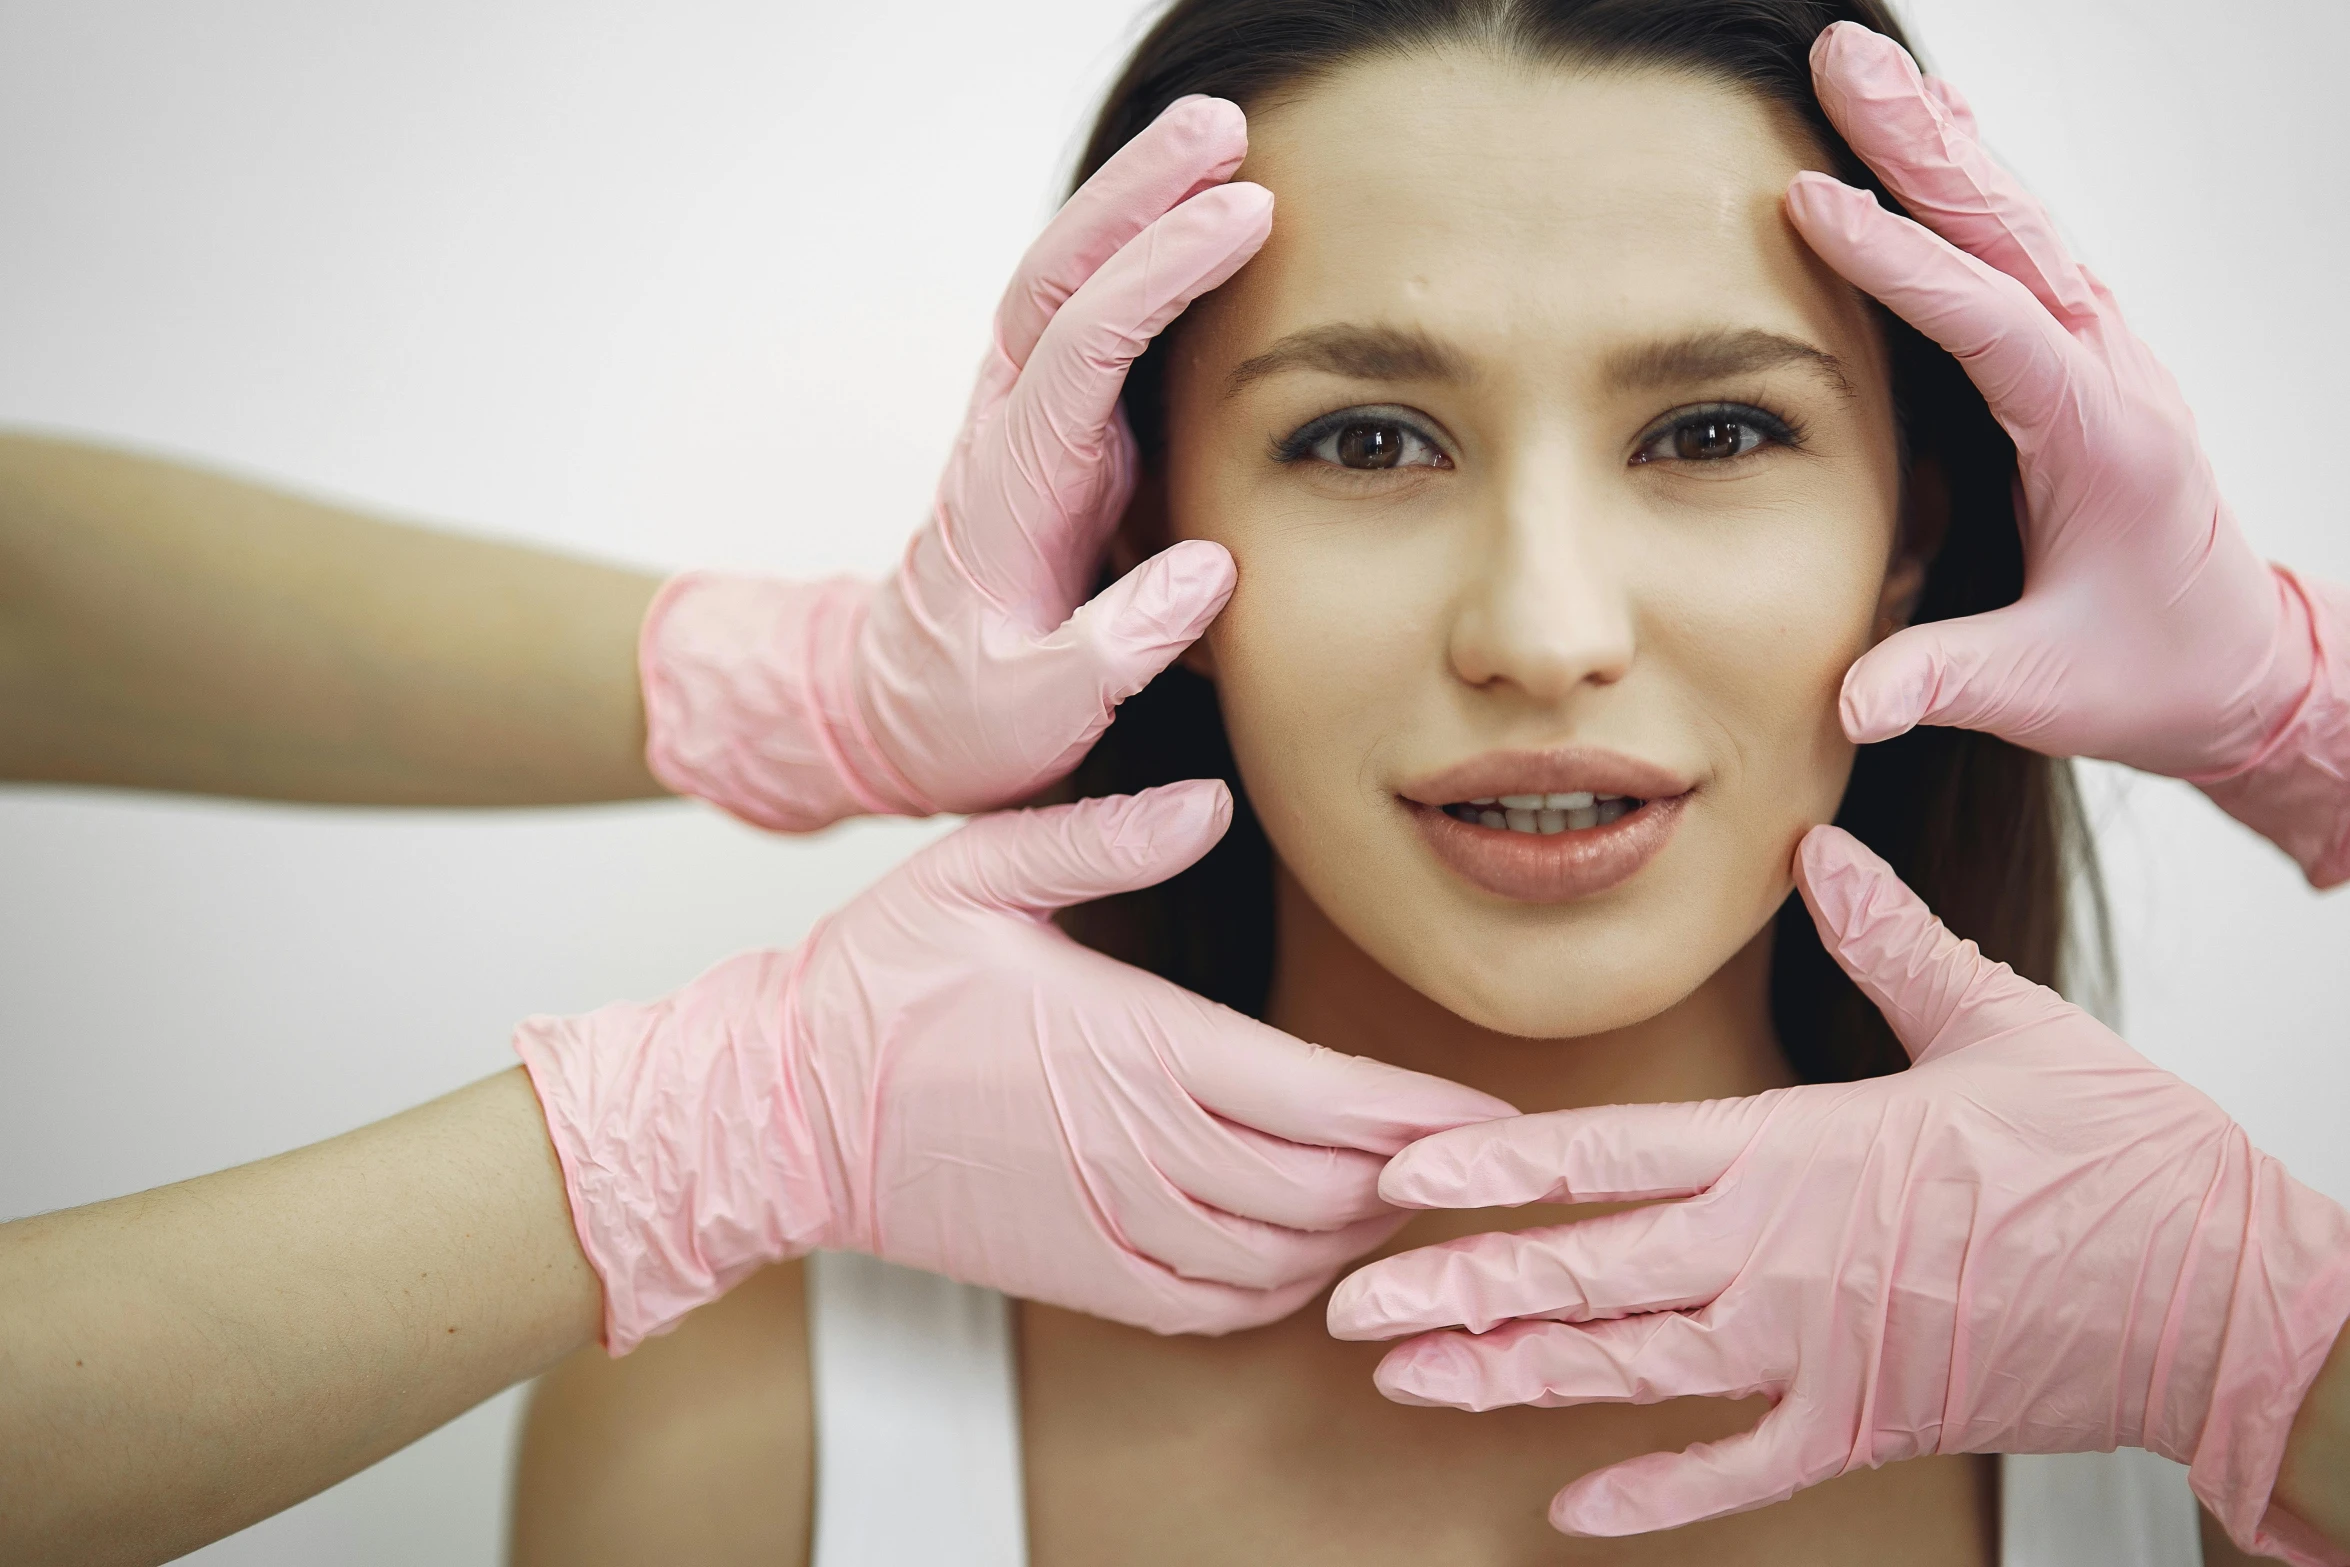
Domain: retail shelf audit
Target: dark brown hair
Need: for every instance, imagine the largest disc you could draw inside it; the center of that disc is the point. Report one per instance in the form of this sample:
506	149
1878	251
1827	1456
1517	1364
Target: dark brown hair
1988	834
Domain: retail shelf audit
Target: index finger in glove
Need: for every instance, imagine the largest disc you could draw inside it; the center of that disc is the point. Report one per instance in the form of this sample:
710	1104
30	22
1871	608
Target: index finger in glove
1666	1490
1939	992
1555	1365
1034	862
1280	1085
1931	161
1030	546
1242	1171
2018	355
1665	1258
1614	1153
1194	143
1060	425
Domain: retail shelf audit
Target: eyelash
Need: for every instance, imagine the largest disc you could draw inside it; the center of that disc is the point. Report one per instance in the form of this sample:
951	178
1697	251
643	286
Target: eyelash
1769	428
1300	444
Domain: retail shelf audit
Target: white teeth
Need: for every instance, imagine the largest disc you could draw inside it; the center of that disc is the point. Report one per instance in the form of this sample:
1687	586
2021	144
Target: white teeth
1546	816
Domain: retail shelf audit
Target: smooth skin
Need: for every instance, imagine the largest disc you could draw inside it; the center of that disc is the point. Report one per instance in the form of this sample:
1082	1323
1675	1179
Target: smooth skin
164	627
160	1396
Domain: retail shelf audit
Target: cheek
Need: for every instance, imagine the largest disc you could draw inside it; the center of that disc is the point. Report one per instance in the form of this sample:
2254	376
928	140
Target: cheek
1324	648
1760	638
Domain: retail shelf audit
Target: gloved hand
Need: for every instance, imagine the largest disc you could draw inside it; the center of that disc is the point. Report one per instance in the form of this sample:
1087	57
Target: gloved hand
973	676
2149	633
2033	1240
940	1077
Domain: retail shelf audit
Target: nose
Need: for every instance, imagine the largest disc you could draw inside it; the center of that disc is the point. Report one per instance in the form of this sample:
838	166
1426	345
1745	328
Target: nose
1543	610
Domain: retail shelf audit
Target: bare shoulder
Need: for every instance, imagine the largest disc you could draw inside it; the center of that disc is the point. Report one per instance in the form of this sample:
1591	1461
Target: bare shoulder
698	1447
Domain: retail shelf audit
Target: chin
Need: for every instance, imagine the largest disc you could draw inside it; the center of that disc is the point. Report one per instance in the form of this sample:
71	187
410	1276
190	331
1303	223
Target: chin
1547	995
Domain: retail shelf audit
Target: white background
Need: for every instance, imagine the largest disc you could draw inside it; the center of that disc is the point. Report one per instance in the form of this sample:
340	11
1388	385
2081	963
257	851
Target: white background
703	283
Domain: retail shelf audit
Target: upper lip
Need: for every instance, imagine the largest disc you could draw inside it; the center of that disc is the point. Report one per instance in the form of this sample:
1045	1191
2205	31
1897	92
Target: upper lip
1565	770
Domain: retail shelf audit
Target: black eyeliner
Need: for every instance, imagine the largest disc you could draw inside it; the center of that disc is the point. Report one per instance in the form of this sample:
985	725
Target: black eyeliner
1786	432
1294	446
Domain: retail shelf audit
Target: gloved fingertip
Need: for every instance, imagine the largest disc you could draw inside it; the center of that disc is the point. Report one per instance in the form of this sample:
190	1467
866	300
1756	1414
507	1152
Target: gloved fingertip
1205	112
1211	132
1188	585
1852	51
1831	37
1243	207
1819	203
1875	706
1813	186
1592	1506
1173	818
1433	1372
1425	1175
1836	873
1351	1314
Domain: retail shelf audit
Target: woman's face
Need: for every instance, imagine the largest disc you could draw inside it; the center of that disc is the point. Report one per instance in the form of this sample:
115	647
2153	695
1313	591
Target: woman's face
1555	466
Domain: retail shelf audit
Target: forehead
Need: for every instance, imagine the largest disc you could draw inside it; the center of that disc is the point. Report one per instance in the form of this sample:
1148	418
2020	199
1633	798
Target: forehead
1483	198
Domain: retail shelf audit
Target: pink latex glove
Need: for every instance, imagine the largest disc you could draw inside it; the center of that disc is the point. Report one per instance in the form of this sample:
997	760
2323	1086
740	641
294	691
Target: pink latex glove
2149	632
940	1077
977	672
2031	1241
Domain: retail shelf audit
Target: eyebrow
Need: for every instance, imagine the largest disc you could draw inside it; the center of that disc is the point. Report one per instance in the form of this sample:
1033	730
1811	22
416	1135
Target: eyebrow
1377	353
1708	356
1361	353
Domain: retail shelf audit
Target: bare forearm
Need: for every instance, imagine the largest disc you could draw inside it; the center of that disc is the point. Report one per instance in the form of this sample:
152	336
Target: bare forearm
2314	1482
163	627
181	1363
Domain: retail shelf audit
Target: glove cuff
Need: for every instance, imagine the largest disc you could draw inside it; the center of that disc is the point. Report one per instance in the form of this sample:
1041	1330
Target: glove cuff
687	1154
2286	1302
751	702
2295	790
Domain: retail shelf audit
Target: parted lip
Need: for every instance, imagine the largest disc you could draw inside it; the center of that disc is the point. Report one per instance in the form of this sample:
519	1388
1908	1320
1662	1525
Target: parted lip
1562	770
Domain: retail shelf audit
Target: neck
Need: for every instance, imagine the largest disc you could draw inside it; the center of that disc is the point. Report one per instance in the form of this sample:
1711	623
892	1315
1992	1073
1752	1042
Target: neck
1714	1043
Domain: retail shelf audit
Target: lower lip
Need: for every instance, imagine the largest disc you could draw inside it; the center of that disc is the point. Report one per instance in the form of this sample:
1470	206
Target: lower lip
1550	867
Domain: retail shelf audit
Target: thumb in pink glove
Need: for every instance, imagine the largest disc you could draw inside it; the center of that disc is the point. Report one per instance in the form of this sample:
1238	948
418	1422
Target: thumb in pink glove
2148	633
978	673
2033	1240
940	1077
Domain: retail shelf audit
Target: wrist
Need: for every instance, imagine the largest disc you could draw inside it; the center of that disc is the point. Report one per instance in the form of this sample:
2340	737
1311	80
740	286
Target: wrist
685	1146
2294	788
2313	1482
750	695
2287	1295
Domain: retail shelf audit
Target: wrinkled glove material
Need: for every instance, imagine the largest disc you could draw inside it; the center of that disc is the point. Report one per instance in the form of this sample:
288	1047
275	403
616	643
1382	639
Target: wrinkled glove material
2149	632
938	1076
978	672
2296	791
2033	1240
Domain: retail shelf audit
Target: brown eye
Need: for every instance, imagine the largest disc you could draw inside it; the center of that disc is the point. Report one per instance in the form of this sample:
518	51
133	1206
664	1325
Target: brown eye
1709	440
1370	446
1364	440
1714	434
